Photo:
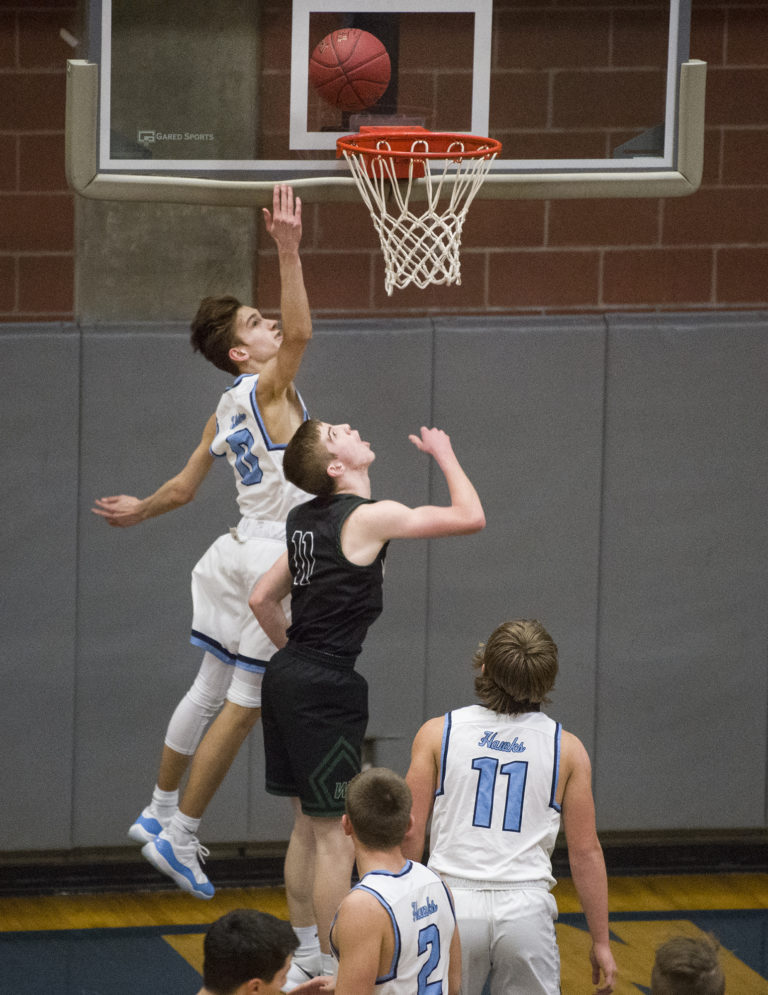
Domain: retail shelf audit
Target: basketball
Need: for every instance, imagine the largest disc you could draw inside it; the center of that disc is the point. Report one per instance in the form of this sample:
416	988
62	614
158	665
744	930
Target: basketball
350	69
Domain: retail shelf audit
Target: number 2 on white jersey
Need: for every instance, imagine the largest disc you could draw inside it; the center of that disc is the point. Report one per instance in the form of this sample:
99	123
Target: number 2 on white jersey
429	939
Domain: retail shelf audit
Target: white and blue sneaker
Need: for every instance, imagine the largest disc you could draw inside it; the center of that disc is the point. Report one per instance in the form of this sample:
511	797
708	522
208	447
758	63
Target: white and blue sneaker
146	827
181	862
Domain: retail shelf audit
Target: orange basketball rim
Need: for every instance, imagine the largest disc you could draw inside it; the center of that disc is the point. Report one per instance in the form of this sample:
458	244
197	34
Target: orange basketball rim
419	248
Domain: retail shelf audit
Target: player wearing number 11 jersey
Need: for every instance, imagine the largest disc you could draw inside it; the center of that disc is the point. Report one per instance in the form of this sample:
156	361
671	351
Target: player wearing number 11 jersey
315	702
496	778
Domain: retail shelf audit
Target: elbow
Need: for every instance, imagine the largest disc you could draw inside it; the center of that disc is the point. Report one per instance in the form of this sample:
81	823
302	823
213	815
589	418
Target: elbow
583	860
476	523
256	601
181	494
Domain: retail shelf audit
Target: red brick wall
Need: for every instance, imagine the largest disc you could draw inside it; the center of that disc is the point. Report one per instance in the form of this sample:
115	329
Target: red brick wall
702	252
36	207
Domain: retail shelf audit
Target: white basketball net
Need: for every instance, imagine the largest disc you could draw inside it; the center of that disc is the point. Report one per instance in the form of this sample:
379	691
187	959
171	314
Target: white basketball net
419	248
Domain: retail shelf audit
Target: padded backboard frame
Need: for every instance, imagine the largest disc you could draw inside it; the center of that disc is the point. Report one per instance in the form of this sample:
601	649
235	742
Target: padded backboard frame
672	168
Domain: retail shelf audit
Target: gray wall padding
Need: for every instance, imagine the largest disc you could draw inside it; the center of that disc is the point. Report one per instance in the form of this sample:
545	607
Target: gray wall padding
39	486
622	463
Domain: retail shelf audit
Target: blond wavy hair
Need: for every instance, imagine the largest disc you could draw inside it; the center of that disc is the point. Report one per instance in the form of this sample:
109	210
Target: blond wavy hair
517	667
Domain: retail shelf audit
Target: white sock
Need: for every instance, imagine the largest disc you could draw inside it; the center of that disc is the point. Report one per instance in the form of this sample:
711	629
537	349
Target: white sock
328	964
182	827
164	803
309	943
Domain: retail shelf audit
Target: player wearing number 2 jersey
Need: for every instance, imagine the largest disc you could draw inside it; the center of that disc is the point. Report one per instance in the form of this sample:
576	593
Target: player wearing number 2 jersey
395	932
496	777
254	421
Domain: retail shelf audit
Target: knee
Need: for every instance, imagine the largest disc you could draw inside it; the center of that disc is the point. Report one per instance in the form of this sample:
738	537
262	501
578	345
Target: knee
206	696
302	825
245	691
331	839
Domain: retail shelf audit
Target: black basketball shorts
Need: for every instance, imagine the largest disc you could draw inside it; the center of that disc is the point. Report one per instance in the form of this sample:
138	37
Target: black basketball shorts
314	717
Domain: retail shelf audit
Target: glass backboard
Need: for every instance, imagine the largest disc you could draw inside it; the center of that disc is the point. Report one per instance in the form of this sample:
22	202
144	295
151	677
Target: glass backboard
222	91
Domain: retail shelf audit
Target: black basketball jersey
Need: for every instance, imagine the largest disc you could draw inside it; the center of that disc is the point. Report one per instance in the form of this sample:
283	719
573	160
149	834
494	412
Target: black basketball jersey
333	601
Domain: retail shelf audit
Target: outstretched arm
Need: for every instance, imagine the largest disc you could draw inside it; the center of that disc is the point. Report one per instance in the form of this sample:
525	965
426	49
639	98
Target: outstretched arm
122	510
284	225
371	525
465	513
266	601
586	858
422	780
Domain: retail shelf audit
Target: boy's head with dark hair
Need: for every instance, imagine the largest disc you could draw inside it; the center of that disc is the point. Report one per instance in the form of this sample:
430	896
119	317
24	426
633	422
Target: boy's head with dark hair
378	806
320	457
214	331
244	945
306	460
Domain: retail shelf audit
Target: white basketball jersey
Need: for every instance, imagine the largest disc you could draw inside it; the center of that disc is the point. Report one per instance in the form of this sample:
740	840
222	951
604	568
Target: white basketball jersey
423	920
262	490
495	816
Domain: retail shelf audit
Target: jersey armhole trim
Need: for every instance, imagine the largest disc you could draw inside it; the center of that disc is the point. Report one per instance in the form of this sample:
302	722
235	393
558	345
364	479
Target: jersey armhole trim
443	754
556	769
392	973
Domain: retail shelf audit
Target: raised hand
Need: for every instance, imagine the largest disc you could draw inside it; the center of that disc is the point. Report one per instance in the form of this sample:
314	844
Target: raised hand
284	223
432	440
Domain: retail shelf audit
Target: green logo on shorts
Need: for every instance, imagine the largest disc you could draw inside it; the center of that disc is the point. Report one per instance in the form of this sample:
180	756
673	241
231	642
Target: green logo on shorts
330	778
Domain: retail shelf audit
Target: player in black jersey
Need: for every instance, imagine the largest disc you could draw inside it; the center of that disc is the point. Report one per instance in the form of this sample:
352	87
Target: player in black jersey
315	705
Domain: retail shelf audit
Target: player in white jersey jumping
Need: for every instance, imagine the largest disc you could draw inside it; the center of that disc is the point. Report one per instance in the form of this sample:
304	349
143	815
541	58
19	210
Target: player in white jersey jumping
496	777
394	933
254	421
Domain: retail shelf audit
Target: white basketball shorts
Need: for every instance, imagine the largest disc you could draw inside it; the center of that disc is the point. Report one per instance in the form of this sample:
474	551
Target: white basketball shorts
222	622
508	935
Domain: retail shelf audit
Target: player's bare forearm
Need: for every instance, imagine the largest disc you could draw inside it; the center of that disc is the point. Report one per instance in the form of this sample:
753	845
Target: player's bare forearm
266	601
591	882
122	510
465	500
285	226
296	321
584	851
466	510
270	616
